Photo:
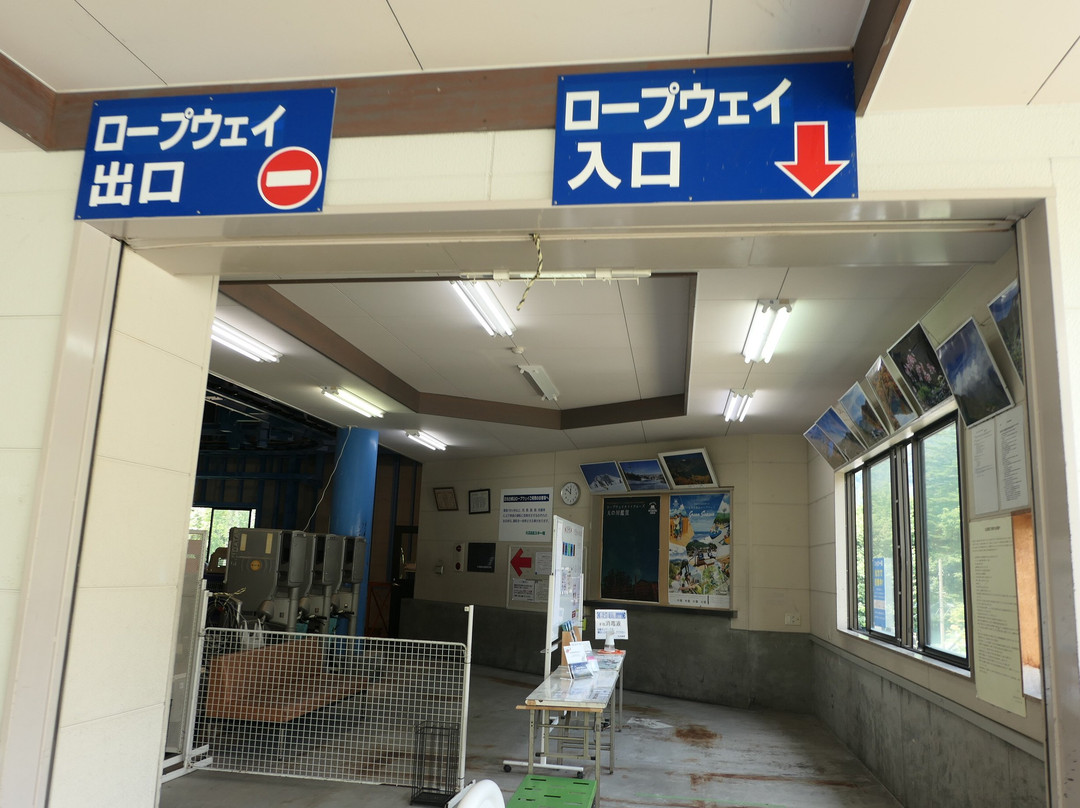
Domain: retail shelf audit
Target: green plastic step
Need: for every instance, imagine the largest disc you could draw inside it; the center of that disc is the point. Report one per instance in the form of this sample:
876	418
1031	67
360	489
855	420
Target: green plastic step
538	791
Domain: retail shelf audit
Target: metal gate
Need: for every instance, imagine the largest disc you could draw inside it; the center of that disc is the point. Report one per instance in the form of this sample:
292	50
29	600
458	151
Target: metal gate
330	707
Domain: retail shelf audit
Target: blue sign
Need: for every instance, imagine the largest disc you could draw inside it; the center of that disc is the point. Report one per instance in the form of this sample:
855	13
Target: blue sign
880	615
713	134
207	155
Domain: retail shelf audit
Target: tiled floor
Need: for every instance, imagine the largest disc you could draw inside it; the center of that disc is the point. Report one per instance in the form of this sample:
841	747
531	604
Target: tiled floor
669	754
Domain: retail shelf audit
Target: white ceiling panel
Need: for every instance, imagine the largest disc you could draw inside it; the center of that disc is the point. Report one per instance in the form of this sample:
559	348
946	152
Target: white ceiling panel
771	26
61	44
975	53
203	41
1061	86
498	33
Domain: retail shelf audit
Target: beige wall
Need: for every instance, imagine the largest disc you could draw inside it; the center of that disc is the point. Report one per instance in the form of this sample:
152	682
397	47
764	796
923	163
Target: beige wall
770	535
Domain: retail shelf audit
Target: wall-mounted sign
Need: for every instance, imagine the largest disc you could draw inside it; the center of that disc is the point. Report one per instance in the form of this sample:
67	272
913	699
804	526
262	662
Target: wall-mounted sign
207	155
711	134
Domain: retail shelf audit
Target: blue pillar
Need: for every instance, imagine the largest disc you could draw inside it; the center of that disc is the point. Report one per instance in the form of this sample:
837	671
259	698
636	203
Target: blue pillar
353	499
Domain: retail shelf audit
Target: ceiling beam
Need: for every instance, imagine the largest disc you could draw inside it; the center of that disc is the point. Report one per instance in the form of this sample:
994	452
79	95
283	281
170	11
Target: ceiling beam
877	34
415	103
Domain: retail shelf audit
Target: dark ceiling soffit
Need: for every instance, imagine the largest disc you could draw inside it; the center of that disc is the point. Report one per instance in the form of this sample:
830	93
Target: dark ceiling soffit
286	315
873	45
273	307
421	103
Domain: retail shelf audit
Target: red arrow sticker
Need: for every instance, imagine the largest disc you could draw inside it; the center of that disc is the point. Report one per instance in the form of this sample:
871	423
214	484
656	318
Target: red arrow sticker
520	561
811	169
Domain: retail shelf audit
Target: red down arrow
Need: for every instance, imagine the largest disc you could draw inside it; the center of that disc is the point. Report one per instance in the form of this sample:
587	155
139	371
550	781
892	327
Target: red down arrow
811	169
520	562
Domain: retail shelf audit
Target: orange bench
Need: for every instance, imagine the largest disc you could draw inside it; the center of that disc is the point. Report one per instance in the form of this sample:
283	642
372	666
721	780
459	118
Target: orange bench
276	683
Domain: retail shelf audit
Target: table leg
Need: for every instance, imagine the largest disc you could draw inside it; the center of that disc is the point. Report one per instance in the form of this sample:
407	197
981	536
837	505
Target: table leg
532	737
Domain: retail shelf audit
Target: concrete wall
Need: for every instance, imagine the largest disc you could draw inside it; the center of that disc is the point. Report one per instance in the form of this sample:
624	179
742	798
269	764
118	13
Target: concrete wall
927	750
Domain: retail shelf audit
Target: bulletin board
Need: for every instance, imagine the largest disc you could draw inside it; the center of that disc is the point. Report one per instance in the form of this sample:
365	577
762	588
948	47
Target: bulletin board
567	583
668	549
528	577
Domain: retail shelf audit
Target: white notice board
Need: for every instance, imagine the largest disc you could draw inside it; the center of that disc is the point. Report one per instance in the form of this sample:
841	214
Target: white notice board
567	597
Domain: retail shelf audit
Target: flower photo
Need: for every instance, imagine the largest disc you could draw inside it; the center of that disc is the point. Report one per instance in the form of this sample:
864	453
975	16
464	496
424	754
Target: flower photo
918	364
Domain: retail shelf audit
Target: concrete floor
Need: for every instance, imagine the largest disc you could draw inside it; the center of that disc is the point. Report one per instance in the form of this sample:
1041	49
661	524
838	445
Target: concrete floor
669	754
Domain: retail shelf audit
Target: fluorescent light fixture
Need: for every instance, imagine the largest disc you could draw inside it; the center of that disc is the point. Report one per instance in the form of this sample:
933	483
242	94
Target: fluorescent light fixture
225	334
770	317
737	403
562	275
485	307
540	381
424	439
352	401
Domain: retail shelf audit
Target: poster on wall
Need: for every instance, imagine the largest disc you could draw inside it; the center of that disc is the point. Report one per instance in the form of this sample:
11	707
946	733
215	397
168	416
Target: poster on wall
630	553
525	515
699	550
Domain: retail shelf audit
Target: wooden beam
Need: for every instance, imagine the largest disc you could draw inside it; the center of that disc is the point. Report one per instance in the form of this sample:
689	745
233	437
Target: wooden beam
873	45
26	105
418	103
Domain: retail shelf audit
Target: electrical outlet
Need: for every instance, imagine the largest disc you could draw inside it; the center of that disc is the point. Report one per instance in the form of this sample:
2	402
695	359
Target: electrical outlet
792	619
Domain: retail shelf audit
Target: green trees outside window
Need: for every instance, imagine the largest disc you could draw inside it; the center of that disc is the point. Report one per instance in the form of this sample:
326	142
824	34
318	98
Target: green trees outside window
906	549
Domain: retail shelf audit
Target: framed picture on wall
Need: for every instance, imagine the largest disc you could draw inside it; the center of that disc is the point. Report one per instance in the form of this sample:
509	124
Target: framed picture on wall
917	362
643	475
603	478
1005	309
480	500
689	468
898	410
445	499
825	446
863	416
974	378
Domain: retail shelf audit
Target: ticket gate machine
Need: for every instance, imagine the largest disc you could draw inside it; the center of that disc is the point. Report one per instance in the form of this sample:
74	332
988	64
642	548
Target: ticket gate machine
352	573
327	573
270	571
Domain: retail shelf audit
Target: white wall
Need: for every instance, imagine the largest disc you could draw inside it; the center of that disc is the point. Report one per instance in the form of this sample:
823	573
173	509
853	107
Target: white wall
770	534
37	201
120	657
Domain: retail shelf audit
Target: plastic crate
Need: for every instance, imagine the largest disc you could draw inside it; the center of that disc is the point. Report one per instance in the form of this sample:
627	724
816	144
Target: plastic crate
538	791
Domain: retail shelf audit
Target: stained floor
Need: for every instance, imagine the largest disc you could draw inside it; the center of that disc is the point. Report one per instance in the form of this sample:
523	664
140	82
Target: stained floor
670	753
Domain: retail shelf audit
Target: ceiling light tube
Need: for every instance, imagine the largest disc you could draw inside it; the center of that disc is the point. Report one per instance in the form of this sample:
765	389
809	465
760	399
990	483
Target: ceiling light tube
770	317
485	307
737	404
352	401
231	337
541	381
424	439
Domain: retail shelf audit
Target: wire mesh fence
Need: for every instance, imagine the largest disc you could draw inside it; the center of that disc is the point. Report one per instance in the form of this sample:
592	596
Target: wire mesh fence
354	709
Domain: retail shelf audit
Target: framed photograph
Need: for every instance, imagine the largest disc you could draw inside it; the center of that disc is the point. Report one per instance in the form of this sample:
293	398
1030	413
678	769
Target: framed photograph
918	364
825	446
1005	309
895	405
603	478
643	475
480	500
688	469
445	499
863	416
833	427
974	378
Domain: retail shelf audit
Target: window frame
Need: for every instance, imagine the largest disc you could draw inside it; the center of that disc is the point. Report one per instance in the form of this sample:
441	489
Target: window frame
909	519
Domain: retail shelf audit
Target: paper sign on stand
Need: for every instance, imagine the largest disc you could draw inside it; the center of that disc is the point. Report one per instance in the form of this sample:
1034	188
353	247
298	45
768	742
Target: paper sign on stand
611	622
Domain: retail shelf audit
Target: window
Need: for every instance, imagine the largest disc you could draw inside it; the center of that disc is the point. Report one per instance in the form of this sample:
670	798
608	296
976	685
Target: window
217	522
906	551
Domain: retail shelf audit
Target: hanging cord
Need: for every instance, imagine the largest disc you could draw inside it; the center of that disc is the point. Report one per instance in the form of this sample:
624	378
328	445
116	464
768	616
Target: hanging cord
329	480
539	269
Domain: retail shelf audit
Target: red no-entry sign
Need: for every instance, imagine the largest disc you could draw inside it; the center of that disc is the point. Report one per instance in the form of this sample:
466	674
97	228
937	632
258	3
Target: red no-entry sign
290	177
